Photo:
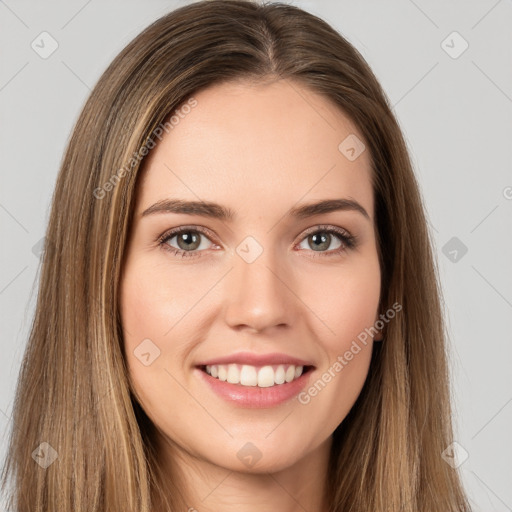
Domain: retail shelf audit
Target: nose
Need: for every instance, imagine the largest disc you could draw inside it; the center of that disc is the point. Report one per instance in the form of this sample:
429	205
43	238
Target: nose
258	294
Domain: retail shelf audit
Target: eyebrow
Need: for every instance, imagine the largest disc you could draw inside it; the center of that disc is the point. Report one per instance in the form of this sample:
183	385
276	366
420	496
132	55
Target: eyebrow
217	211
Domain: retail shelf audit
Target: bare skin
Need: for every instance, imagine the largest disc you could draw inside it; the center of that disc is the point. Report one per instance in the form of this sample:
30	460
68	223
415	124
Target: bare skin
259	150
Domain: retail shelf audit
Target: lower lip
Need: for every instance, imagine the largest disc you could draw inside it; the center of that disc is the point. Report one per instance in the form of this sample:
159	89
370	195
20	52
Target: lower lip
254	396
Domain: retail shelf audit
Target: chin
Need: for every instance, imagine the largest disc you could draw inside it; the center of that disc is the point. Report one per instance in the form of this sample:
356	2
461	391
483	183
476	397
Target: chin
255	456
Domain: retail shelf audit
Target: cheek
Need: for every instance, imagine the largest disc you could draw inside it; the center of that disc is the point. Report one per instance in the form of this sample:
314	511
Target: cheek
347	304
142	324
149	306
348	309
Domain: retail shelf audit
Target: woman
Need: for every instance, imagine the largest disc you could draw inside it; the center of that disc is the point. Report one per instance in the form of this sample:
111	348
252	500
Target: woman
238	303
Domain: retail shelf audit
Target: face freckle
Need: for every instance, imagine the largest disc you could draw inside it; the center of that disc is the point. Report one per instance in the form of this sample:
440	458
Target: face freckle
254	283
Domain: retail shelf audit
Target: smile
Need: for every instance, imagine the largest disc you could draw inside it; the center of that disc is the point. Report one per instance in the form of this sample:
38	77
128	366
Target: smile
251	376
248	379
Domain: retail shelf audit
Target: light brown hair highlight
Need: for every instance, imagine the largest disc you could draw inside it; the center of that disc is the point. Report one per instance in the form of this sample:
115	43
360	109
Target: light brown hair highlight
74	391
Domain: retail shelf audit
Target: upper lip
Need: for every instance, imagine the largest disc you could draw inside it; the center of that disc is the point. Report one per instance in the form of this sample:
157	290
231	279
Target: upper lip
256	359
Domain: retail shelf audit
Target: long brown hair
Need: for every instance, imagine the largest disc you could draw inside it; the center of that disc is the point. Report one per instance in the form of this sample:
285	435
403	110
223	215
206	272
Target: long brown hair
73	390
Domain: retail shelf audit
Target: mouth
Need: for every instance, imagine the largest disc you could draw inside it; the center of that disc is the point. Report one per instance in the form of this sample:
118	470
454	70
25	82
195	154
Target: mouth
251	380
245	375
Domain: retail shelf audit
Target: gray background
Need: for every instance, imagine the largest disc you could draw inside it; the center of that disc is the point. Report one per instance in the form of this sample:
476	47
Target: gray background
455	110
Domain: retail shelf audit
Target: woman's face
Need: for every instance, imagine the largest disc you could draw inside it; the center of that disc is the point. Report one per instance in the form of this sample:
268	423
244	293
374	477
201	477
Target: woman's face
257	294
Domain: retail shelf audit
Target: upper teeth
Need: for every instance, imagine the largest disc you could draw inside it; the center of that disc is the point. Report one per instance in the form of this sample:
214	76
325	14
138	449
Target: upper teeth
248	375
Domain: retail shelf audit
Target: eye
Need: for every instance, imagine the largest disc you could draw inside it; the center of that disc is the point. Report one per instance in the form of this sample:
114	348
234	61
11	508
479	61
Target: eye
187	238
321	237
189	243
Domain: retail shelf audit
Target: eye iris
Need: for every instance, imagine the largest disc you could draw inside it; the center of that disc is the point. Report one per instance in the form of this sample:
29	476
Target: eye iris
323	240
190	238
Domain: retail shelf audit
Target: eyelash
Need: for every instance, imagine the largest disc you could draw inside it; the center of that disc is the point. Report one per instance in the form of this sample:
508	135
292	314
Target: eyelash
348	241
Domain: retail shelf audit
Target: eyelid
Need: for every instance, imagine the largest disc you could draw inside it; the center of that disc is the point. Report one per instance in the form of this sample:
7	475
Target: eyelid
348	240
326	227
206	231
176	231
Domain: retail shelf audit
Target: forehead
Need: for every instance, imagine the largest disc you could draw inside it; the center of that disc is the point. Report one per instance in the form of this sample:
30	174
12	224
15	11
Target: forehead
257	147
